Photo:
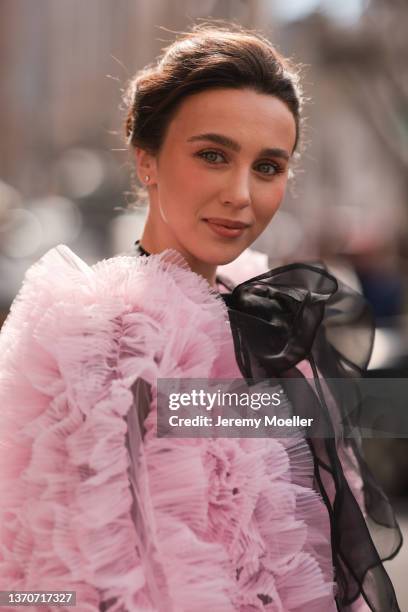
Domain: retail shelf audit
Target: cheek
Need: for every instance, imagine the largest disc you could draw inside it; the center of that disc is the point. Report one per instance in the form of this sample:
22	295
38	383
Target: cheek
269	203
181	193
183	184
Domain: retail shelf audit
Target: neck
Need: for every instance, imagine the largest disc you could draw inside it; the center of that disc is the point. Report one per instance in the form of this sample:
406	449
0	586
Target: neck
153	241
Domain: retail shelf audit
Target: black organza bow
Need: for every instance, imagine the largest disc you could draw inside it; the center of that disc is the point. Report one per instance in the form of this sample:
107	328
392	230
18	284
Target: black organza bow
299	312
275	316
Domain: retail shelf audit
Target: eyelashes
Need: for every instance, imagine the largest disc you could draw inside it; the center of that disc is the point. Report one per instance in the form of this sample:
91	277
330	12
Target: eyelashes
215	158
277	169
207	154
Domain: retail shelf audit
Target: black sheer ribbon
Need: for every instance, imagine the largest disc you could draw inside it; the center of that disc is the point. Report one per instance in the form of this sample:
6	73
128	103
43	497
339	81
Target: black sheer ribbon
301	312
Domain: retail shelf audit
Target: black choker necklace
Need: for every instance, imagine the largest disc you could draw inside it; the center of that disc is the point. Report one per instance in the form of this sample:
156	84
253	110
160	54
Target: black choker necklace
140	249
220	280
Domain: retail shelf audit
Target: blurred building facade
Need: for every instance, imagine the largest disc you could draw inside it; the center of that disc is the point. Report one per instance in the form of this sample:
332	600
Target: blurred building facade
64	69
65	172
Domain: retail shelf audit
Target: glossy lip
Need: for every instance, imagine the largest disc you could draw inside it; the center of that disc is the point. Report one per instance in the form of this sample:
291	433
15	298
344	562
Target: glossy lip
227	223
235	229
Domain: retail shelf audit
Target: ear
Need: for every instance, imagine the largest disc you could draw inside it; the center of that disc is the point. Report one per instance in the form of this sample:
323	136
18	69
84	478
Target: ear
146	166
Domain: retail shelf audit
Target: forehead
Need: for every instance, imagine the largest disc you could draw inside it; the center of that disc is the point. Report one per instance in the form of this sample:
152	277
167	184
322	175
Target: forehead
243	114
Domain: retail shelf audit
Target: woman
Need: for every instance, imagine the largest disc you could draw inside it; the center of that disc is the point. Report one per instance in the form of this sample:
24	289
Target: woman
91	499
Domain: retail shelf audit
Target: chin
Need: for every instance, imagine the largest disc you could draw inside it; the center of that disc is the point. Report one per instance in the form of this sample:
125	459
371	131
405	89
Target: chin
221	257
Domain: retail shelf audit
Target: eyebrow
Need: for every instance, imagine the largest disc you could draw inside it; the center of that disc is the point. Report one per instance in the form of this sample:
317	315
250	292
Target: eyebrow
228	142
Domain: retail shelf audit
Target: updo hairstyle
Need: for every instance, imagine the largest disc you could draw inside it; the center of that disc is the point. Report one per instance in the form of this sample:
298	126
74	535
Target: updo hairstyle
208	57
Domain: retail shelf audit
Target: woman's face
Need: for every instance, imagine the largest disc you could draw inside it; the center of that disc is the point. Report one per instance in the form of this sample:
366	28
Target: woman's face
220	175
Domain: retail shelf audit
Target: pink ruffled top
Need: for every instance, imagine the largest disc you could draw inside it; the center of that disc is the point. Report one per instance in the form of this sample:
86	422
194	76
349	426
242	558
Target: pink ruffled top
175	525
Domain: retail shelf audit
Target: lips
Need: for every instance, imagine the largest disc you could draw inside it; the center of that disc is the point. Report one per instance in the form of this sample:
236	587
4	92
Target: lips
227	223
225	227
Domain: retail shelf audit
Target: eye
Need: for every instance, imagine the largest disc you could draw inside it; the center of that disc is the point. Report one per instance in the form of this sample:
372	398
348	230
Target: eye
213	157
269	168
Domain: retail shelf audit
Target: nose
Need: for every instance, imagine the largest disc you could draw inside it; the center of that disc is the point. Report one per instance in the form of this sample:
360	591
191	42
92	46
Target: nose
237	192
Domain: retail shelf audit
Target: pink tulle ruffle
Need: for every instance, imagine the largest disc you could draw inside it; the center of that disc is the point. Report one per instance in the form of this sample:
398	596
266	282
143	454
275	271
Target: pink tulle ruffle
224	525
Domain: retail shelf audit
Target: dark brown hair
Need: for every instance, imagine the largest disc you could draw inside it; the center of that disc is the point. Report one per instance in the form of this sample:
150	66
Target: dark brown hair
207	57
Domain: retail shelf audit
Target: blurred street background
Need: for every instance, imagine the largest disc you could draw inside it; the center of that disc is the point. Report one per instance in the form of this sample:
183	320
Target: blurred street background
66	174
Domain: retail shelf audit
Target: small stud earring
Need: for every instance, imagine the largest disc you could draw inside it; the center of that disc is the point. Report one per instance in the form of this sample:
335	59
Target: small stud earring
147	178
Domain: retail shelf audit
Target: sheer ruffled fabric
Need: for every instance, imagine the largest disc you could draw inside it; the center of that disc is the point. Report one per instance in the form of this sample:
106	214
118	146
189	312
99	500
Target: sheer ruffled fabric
301	312
92	501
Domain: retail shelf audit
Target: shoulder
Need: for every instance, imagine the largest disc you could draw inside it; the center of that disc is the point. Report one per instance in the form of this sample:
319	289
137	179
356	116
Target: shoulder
158	281
61	276
63	298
